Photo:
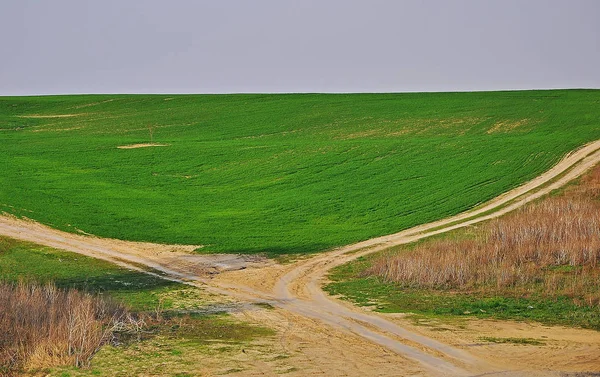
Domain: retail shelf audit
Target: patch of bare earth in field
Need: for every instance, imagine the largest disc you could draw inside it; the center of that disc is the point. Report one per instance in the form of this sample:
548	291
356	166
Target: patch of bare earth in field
142	145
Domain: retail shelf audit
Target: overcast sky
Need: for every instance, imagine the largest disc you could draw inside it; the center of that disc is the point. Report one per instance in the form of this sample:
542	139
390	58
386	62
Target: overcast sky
224	46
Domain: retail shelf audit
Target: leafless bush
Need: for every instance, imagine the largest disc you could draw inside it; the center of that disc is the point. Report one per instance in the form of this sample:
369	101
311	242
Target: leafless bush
552	246
42	326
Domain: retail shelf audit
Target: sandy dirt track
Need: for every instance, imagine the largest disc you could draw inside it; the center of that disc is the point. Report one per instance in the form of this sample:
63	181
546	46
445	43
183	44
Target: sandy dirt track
329	337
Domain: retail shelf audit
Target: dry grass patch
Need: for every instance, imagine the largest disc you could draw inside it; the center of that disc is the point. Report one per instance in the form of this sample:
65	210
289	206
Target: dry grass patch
508	125
58	129
39	116
42	326
551	247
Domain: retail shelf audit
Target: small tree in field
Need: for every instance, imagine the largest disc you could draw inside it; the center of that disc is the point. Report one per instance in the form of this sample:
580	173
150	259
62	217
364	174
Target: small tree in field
151	131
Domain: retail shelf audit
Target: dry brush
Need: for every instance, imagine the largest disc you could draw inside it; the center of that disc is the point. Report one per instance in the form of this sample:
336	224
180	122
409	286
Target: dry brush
42	326
551	247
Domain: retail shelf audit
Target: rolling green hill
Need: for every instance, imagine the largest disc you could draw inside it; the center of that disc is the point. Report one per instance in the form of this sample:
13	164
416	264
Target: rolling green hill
276	173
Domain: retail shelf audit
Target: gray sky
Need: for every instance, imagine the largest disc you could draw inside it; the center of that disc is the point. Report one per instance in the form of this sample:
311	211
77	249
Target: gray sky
223	46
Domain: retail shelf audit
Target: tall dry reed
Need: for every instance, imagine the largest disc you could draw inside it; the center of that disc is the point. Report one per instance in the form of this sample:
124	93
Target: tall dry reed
42	326
550	247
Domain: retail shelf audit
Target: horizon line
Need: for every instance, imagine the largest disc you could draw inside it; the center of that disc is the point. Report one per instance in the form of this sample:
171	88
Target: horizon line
293	93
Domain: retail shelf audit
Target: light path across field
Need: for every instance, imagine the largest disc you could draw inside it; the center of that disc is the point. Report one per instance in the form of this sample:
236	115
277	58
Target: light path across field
296	288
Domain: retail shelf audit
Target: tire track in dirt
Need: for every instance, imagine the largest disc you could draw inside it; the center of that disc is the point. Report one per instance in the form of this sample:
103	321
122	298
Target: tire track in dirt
297	288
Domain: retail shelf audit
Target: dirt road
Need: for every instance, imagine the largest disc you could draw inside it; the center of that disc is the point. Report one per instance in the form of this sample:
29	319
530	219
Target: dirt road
329	337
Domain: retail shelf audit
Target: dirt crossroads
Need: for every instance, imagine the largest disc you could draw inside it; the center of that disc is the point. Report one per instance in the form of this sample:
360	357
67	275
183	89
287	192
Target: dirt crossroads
328	337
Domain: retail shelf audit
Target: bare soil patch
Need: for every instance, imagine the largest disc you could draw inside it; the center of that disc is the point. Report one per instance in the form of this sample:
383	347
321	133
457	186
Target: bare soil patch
142	145
52	116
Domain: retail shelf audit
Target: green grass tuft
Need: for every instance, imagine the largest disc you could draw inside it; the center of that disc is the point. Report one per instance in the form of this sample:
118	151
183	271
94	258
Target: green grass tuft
521	341
391	298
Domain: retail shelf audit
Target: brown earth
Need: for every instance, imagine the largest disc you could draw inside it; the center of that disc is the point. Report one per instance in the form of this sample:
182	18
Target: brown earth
324	336
142	145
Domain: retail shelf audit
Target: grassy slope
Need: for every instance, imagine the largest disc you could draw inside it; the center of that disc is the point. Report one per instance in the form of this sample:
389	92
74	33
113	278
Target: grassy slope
277	173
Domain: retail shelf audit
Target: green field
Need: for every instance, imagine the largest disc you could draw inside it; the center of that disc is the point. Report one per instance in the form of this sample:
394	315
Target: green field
276	173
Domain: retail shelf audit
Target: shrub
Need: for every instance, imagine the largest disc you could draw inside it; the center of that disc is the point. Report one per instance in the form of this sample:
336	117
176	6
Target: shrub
42	326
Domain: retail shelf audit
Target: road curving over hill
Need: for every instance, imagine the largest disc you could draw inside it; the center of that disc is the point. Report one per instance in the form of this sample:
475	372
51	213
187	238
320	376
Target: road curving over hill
295	289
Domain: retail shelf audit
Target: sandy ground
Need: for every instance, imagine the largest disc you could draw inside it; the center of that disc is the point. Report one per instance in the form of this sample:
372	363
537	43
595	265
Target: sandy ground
142	145
323	336
313	349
